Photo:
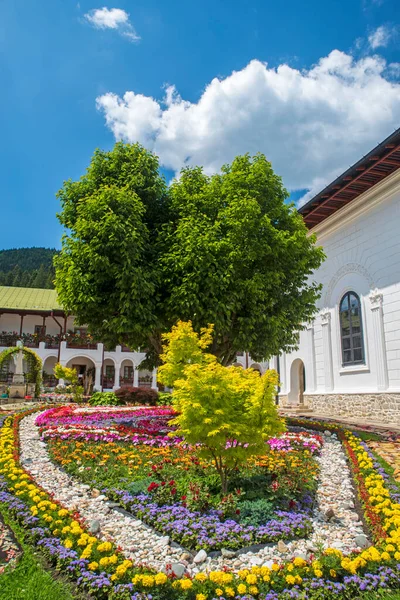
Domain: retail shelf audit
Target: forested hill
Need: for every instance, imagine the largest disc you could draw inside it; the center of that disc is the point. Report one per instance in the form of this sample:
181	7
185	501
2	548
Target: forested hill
27	267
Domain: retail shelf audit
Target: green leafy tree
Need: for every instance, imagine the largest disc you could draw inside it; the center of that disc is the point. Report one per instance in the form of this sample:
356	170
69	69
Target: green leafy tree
225	249
228	412
70	375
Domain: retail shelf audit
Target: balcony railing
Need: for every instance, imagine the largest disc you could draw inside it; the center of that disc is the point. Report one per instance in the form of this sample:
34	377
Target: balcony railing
30	340
80	341
108	382
126	381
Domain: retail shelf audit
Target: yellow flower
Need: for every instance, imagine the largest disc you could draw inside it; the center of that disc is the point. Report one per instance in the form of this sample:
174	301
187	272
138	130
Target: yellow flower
87	551
318	573
219	592
161	578
290	567
299	562
385	556
104	561
68	543
275	567
120	571
253	589
332	573
148	580
201	597
186	584
93	566
241	588
290	579
104	547
201	577
251	579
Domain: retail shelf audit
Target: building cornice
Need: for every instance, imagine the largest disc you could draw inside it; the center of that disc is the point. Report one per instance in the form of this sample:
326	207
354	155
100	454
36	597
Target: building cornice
364	203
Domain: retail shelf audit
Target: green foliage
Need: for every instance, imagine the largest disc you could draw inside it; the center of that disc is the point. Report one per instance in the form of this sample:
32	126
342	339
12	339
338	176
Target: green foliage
70	375
164	399
106	273
103	399
34	363
229	411
137	395
27	267
256	512
225	249
140	486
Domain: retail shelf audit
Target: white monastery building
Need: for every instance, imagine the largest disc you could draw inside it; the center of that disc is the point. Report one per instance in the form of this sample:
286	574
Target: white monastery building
35	317
348	361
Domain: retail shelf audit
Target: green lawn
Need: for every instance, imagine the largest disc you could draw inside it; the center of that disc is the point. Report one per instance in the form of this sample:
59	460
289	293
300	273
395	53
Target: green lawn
29	580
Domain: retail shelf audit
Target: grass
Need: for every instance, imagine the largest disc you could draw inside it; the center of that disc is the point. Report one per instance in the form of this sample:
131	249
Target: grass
382	595
366	436
30	580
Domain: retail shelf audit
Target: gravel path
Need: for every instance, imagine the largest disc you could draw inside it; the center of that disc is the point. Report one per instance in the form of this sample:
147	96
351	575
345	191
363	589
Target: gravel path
342	529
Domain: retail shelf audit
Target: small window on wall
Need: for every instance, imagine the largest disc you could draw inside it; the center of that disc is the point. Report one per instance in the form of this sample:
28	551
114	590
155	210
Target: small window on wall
351	330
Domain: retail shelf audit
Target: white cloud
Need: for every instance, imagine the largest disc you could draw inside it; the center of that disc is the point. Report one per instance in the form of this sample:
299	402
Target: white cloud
311	124
380	37
113	18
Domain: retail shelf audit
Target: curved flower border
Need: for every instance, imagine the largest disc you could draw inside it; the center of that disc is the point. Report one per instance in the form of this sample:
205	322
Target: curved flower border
377	566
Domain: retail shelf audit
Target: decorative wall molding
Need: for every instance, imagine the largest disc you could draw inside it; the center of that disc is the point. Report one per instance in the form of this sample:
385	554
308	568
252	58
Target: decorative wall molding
344	270
376	299
326	316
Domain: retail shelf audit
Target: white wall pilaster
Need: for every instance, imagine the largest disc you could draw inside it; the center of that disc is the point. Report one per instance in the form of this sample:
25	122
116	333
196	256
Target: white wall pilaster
97	377
376	301
327	348
154	380
311	383
283	374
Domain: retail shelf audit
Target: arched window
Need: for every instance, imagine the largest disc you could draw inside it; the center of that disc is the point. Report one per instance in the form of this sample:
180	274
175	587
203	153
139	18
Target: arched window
351	331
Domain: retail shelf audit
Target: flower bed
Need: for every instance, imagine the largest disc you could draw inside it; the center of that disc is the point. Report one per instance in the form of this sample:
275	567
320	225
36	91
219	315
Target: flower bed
164	483
321	576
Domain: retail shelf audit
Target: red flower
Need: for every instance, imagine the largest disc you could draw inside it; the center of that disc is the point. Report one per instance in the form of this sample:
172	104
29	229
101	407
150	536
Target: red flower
152	486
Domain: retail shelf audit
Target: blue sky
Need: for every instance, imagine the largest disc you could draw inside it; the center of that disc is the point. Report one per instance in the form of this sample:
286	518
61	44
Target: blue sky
313	85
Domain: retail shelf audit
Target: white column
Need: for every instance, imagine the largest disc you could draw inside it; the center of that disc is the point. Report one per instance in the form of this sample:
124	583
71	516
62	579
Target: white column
97	377
310	374
63	361
283	374
327	348
376	300
135	376
116	376
154	380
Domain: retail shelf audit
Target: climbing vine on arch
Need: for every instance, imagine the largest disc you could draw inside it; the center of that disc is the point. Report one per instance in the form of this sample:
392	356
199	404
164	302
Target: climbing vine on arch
34	365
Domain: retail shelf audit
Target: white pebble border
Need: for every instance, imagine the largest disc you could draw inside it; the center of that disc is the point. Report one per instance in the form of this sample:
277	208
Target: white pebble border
143	545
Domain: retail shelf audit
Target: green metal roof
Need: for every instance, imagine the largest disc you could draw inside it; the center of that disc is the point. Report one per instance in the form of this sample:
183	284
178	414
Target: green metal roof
28	298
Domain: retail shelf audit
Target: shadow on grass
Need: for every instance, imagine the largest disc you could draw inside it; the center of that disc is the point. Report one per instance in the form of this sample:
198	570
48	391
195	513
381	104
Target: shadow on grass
32	578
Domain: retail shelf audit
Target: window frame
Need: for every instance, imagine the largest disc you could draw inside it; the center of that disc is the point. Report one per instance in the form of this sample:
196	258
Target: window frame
352	363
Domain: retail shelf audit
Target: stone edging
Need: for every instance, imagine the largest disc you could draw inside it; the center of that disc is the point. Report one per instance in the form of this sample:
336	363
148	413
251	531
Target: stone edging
143	545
